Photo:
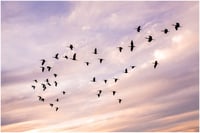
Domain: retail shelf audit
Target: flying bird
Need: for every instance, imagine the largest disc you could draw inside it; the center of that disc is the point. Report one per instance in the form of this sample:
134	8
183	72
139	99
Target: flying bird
100	91
42	68
120	49
155	64
176	26
114	92
39	97
105	81
132	45
138	28
49	68
132	67
35	81
48	84
71	46
43	61
42	99
94	79
95	51
74	57
55	75
126	70
100	60
63	92
119	100
56	56
55	82
115	79
57	100
43	86
56	108
51	104
87	63
33	86
98	95
150	38
66	57
165	31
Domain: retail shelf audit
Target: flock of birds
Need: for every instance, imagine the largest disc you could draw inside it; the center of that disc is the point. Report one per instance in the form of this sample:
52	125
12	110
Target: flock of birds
46	68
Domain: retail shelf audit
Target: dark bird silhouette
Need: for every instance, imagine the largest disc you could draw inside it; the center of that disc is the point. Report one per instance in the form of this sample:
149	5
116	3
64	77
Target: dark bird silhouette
35	81
49	68
55	82
120	49
150	38
42	99
176	26
119	100
100	60
66	57
132	67
165	31
42	68
55	75
74	57
51	104
71	46
87	63
56	108
48	84
94	79
138	28
43	86
114	92
43	61
33	86
155	64
56	56
95	51
105	81
126	70
63	92
115	79
98	95
57	100
39	97
132	45
100	91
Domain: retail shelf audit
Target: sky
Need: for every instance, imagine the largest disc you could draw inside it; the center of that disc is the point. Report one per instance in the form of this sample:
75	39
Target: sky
161	99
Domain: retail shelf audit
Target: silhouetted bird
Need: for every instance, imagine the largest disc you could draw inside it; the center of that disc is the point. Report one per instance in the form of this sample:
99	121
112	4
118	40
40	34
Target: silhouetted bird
100	91
98	95
42	99
47	80
35	81
56	108
33	86
138	28
132	45
49	68
165	31
74	57
126	70
43	61
100	60
39	98
105	81
116	79
120	49
66	57
55	82
114	92
48	84
95	51
63	92
155	64
176	26
43	86
55	75
51	104
150	38
57	100
94	79
56	56
87	63
119	100
42	68
132	67
71	46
